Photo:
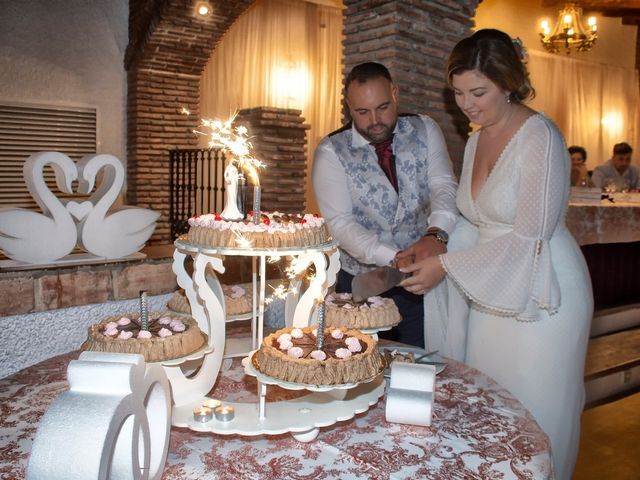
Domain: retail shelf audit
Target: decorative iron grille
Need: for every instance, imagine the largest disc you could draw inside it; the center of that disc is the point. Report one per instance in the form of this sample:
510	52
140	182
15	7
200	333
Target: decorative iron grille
196	178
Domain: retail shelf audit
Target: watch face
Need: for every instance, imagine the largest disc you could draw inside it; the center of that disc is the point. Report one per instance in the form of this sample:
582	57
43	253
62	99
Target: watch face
442	236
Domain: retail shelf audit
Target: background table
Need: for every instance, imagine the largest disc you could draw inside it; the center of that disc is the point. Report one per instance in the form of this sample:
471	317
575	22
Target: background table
609	235
478	429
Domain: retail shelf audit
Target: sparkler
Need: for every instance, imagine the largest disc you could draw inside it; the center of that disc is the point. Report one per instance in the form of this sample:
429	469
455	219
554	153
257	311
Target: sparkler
233	141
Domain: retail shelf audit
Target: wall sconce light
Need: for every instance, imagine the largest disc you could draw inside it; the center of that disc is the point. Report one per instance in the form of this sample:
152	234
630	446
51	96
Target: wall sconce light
569	31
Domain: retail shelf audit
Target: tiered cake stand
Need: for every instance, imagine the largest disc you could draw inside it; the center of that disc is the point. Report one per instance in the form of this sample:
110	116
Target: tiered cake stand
193	377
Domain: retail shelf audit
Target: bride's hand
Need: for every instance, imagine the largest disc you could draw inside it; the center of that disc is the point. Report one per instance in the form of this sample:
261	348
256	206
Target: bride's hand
426	274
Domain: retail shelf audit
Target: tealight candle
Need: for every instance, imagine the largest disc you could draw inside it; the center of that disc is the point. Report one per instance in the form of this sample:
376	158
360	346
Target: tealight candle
211	402
224	413
202	414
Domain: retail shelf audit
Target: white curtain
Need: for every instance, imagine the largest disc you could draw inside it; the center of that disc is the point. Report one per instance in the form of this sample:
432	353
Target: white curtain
595	105
280	53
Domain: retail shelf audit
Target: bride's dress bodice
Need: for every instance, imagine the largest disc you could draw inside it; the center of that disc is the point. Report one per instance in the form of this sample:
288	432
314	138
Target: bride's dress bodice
503	259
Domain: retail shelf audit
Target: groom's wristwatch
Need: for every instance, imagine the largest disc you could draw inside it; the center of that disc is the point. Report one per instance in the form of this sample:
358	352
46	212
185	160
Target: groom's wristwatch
441	235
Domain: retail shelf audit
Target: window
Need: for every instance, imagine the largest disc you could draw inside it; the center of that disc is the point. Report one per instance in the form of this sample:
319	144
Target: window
27	129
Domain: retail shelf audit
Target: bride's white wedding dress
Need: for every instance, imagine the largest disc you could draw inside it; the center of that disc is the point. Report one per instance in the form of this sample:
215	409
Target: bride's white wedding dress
518	286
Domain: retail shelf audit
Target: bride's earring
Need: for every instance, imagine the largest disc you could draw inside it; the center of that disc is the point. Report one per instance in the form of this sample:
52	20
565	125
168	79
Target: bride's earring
508	98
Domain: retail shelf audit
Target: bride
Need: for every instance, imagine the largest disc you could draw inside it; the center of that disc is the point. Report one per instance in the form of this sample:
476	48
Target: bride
516	284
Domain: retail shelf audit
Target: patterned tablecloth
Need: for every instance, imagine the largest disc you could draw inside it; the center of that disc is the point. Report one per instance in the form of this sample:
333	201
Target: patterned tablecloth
478	431
604	223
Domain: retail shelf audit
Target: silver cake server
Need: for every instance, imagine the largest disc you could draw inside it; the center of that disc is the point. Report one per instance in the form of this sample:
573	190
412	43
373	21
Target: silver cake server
375	282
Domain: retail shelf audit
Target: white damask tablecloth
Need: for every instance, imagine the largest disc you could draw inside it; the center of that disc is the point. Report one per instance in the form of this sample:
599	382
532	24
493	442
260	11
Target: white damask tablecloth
479	431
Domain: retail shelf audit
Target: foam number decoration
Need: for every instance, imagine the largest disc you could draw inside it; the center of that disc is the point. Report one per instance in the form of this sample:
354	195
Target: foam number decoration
33	237
113	423
116	233
410	393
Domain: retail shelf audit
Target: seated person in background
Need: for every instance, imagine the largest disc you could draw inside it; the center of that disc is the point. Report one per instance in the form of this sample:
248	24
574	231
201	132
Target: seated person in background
579	174
618	170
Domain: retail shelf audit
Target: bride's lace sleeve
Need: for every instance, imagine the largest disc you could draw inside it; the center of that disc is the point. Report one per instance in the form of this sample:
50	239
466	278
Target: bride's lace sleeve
512	274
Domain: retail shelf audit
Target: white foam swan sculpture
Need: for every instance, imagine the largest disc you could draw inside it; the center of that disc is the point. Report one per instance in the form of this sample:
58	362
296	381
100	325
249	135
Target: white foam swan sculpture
34	237
120	232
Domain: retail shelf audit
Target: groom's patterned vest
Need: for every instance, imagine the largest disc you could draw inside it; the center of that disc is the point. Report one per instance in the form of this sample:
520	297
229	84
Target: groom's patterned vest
398	218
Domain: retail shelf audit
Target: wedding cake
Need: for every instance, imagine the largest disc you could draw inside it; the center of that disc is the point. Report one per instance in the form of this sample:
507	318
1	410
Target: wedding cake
375	312
274	230
168	336
347	356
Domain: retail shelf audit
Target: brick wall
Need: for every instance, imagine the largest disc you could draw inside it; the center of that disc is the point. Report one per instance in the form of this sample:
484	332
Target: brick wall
412	39
279	138
169	46
40	290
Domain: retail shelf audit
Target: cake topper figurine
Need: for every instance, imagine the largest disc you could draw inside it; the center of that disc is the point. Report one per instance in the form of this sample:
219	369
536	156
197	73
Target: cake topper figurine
320	334
144	313
231	210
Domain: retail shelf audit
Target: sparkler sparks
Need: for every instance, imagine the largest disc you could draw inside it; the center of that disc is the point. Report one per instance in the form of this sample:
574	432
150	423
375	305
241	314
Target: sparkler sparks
233	141
241	240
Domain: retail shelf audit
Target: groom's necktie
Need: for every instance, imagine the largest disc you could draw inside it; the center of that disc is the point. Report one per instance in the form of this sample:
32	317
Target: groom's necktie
387	161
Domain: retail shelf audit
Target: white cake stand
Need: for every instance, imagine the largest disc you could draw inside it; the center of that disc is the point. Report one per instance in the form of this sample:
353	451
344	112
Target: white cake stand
302	417
193	377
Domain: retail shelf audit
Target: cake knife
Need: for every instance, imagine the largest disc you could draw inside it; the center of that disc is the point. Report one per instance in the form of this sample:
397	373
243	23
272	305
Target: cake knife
375	282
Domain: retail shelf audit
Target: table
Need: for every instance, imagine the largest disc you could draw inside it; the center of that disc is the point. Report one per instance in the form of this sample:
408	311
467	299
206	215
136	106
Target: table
605	222
478	429
609	236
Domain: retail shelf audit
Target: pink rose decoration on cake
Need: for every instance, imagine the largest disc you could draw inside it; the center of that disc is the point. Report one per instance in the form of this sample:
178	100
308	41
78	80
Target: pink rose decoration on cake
111	332
125	335
285	344
314	332
337	334
353	344
165	332
285	337
297	333
295	352
376	301
124	321
111	326
144	334
178	327
343	353
318	355
164	321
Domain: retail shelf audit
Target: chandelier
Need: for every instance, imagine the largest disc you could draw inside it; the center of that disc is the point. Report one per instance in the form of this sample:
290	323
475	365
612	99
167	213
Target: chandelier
569	31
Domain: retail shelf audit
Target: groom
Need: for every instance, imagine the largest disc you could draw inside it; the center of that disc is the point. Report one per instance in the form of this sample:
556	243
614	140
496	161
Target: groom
384	183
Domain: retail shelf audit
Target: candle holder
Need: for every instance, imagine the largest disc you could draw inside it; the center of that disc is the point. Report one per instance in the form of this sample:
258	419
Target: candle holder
202	414
144	312
320	334
224	413
256	205
211	403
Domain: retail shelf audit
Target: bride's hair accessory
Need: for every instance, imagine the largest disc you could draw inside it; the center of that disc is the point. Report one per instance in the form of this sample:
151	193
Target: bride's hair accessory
520	49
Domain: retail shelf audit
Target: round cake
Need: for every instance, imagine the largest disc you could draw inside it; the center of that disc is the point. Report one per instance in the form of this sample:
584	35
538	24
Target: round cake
375	312
347	356
237	299
275	230
169	336
179	303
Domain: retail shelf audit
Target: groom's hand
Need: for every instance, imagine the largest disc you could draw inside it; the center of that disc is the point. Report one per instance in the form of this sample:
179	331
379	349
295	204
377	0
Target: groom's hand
423	248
